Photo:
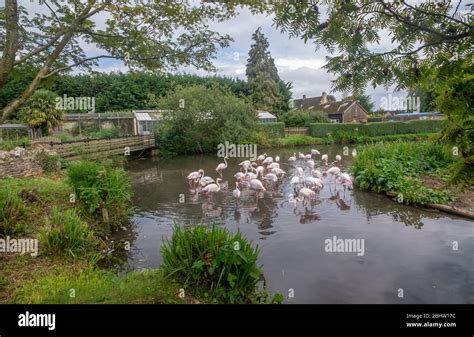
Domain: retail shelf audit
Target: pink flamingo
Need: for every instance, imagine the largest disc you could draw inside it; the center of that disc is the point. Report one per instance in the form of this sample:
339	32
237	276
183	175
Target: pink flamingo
194	177
222	166
212	188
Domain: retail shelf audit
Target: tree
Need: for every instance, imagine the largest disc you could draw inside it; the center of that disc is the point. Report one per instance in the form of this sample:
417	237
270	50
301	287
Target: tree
363	100
267	90
40	111
142	34
200	117
432	48
427	98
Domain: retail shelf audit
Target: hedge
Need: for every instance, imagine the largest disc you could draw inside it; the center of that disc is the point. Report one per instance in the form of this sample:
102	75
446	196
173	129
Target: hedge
378	128
273	130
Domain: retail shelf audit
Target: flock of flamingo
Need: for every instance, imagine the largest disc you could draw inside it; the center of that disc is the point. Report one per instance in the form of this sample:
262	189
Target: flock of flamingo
265	174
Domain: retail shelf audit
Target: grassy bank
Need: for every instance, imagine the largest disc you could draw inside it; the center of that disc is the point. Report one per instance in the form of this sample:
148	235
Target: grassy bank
403	168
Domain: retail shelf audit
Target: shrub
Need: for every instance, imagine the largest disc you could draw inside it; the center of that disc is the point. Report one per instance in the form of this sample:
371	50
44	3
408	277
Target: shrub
273	130
378	128
301	118
213	262
103	191
66	232
49	163
384	167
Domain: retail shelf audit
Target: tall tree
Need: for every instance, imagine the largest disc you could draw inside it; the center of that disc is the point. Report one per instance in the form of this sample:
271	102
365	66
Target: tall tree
143	34
432	47
266	88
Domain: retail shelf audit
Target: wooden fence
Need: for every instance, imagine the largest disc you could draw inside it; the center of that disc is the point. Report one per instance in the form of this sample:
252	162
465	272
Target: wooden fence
94	148
296	131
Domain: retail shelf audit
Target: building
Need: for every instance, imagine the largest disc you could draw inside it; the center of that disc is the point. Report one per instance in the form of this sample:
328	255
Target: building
146	122
266	117
345	111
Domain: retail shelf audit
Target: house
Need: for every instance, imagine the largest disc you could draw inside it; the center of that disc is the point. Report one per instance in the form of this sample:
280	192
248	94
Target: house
266	117
345	111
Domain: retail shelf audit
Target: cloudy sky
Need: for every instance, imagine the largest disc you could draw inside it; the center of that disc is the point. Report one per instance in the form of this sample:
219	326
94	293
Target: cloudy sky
296	61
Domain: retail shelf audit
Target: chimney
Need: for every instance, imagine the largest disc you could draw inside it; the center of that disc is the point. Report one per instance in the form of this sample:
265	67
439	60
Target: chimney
304	97
324	98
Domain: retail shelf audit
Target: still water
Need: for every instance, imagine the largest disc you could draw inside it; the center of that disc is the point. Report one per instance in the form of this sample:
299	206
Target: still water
408	251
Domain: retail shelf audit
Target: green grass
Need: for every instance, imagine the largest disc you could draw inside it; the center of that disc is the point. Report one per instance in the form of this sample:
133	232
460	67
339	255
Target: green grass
396	167
19	216
8	145
298	140
92	286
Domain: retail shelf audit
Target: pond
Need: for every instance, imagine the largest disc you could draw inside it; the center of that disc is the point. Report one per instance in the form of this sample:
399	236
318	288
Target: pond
410	255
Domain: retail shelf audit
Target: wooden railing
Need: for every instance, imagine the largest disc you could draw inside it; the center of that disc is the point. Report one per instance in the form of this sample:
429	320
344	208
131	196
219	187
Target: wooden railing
95	148
296	131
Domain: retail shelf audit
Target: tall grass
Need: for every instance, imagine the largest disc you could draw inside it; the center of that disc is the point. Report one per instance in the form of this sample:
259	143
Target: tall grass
396	167
213	263
66	232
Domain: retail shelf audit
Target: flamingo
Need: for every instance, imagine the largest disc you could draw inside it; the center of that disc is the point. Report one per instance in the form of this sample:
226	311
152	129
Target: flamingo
206	181
236	192
261	157
324	158
274	165
212	188
295	181
334	171
300	155
245	165
193	177
307	156
222	166
257	186
310	164
292	158
303	194
267	161
346	181
315	152
316	173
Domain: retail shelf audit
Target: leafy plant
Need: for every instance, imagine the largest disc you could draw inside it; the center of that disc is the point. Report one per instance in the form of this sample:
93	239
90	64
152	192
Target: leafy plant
384	167
103	191
213	262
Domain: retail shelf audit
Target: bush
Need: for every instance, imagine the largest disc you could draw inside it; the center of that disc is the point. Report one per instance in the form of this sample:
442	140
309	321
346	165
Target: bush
66	232
378	128
302	118
198	110
103	191
213	263
384	167
49	163
273	130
